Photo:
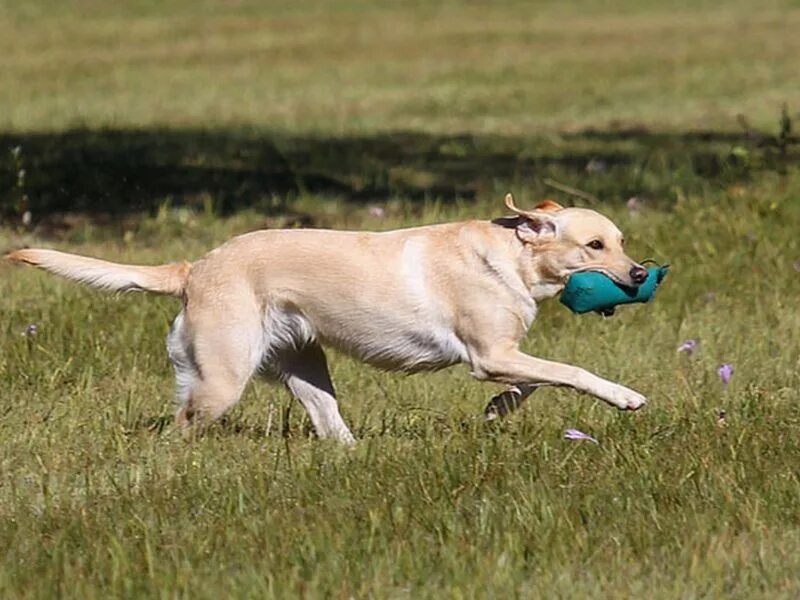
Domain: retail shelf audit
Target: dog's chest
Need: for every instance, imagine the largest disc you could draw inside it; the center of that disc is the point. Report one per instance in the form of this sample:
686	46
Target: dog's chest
420	336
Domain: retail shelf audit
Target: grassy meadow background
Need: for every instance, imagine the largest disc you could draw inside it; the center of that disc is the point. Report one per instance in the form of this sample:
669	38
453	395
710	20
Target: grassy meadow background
148	132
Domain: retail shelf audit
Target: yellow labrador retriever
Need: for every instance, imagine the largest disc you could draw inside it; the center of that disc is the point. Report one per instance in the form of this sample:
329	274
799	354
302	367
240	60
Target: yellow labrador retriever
413	299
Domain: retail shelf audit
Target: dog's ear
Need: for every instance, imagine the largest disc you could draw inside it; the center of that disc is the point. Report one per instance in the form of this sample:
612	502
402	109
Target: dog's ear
534	226
536	229
548	205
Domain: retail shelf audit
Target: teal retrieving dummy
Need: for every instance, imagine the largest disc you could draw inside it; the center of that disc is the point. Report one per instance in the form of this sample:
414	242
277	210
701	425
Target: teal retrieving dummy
594	291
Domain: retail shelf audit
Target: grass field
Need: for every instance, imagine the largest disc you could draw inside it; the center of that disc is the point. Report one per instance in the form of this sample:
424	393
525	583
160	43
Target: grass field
152	132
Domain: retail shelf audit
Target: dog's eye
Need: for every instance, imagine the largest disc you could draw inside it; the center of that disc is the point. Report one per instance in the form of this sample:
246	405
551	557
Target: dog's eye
595	245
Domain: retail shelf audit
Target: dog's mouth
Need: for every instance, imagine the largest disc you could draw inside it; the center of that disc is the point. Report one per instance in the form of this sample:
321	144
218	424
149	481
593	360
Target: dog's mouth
626	283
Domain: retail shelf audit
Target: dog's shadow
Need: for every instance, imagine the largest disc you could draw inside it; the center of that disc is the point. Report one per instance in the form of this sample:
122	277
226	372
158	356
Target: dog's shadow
437	425
226	426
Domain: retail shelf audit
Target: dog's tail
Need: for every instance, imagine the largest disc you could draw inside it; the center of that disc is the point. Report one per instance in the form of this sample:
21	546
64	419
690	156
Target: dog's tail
162	279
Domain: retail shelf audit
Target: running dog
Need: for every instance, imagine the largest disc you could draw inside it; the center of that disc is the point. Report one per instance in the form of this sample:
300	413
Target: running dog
410	300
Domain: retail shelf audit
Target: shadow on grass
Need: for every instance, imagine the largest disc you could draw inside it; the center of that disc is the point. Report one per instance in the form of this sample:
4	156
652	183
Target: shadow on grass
113	172
403	424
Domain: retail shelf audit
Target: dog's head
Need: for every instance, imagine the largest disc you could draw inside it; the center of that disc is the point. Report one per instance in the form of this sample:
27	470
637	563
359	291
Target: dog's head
571	240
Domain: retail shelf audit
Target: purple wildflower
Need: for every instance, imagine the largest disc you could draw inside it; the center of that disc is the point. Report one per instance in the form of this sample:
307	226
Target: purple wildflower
633	203
575	434
377	211
725	372
689	346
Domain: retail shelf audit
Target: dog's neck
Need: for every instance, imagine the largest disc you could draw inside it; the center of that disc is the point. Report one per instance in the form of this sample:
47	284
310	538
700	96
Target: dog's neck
532	264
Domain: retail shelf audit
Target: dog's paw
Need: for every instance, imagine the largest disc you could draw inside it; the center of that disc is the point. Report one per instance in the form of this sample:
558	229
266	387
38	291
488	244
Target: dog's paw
635	401
626	399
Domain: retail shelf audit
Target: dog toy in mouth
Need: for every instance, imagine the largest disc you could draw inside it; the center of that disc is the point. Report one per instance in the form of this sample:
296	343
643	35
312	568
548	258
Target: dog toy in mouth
592	290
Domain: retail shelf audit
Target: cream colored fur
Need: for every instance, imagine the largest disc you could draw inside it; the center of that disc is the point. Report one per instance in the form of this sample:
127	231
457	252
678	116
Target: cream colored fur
410	300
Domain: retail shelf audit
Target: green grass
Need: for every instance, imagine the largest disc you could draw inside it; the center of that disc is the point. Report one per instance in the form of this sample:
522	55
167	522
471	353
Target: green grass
357	66
165	129
99	497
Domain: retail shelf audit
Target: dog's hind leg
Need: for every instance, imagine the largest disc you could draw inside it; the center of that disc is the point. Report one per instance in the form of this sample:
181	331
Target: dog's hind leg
305	373
210	397
212	367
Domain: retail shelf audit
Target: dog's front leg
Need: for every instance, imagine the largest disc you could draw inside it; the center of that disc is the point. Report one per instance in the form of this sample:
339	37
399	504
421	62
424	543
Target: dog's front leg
512	367
508	400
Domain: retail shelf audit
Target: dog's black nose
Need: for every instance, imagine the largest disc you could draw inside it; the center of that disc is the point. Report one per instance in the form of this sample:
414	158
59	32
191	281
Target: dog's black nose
638	274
